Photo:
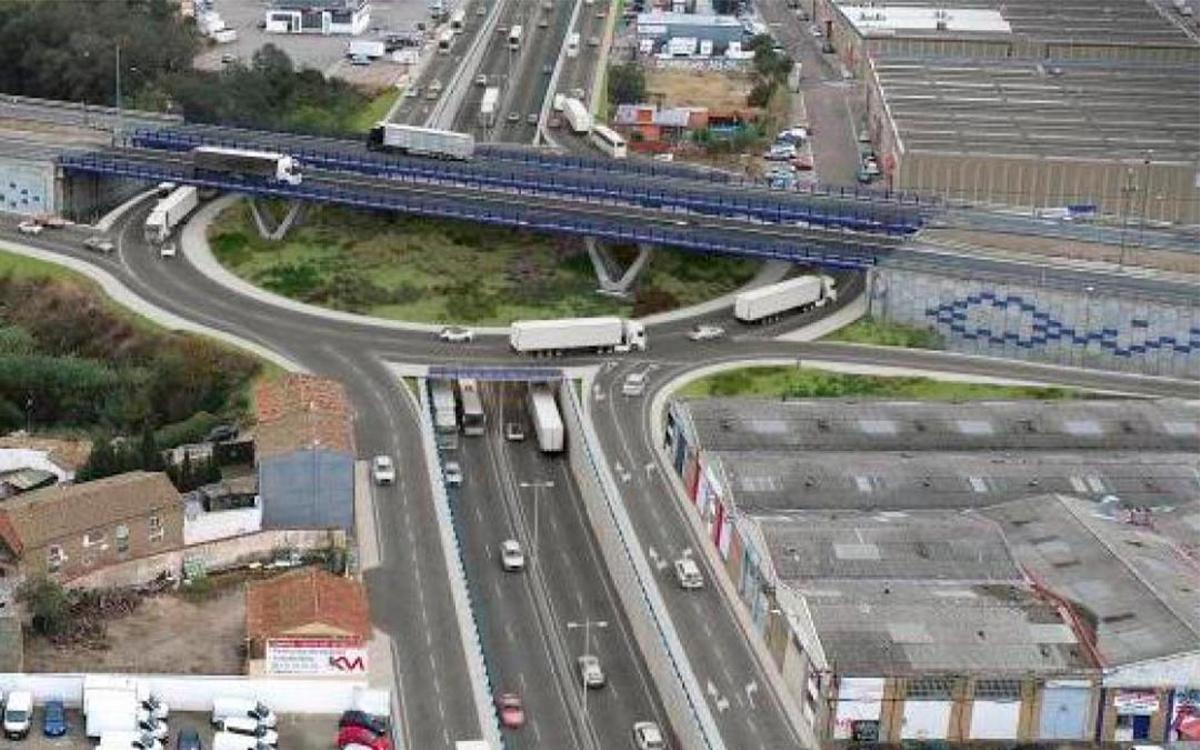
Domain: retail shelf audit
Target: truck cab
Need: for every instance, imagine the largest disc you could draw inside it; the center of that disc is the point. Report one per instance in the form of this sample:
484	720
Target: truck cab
634	338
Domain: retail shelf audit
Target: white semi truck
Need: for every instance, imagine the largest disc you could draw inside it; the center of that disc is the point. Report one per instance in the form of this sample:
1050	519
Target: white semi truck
169	212
577	115
769	302
547	422
576	335
487	107
241	163
411	139
366	48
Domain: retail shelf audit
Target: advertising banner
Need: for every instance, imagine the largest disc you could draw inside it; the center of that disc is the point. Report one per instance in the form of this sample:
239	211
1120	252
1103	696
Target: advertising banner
316	656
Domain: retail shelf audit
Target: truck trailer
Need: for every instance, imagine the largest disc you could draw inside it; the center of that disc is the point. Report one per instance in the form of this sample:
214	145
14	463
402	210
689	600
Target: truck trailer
577	115
770	302
411	139
241	163
366	48
576	335
547	423
169	212
108	710
487	107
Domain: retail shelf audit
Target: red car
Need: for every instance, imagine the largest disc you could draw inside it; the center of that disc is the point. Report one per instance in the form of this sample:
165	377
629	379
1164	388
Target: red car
356	735
511	710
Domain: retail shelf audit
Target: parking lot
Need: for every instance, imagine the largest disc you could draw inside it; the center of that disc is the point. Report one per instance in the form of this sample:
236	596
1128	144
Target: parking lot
313	732
324	53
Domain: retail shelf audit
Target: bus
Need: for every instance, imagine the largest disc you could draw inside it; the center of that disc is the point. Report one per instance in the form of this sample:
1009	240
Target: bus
445	41
609	141
473	420
458	19
445	414
514	38
573	44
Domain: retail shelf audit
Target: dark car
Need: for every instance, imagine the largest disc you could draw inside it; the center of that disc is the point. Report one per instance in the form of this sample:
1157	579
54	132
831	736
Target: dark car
222	432
376	724
54	719
189	739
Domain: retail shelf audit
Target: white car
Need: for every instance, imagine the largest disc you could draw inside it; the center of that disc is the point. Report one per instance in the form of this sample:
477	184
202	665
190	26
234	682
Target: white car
635	384
512	559
590	671
99	245
647	736
705	333
456	335
514	432
167	250
687	572
29	227
453	473
384	470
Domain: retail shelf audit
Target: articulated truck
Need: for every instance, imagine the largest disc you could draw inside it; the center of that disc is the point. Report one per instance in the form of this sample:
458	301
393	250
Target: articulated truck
241	164
410	139
770	302
551	337
488	106
547	423
577	115
169	212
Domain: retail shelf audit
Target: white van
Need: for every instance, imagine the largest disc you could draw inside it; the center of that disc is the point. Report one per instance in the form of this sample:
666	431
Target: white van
231	741
18	714
249	727
227	708
127	740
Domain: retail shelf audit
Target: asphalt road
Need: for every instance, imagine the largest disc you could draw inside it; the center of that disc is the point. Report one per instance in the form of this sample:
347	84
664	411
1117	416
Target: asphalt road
415	110
435	695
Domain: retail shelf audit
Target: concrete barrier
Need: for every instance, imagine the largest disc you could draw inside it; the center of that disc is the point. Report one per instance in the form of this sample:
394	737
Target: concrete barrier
656	637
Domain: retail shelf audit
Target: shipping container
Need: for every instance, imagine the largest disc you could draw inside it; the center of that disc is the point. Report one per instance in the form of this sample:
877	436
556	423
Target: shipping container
769	302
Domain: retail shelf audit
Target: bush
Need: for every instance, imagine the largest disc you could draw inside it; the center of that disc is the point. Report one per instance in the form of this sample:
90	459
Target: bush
191	430
626	84
48	604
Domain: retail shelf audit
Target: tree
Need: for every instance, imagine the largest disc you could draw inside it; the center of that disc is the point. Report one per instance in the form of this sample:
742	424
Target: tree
626	84
48	603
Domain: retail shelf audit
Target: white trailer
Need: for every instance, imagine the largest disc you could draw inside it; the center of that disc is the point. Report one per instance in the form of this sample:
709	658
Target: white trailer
411	139
366	48
241	163
769	302
577	115
169	212
547	422
110	710
576	335
445	414
225	36
488	105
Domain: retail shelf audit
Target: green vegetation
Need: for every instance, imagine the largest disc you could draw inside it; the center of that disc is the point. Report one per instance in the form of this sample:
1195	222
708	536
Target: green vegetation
792	382
868	330
68	50
626	84
417	269
48	603
70	362
374	111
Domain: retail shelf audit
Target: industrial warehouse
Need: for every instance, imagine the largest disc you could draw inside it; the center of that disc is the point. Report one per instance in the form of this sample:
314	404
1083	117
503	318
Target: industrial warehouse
960	571
1080	106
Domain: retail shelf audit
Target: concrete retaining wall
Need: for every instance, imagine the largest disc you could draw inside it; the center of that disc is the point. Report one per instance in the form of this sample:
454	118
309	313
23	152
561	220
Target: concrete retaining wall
1026	321
225	553
635	583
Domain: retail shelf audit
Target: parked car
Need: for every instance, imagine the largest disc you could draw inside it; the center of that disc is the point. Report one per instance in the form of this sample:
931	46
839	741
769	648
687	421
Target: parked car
54	719
157	707
99	245
218	434
456	335
453	474
18	714
687	573
384	470
590	671
377	724
356	735
147	724
511	710
29	227
512	559
705	333
189	739
647	736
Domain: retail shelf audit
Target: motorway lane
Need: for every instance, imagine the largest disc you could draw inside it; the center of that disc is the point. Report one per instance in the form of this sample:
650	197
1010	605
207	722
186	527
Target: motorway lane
441	67
497	63
568	561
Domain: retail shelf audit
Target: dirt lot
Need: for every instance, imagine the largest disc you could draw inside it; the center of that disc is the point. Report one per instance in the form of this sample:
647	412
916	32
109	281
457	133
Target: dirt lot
148	640
686	88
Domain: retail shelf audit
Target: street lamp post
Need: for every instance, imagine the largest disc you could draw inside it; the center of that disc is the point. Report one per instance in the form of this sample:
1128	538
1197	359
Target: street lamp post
1145	195
544	484
1087	324
587	626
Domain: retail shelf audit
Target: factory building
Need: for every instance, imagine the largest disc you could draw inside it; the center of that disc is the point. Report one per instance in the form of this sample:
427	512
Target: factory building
960	572
661	27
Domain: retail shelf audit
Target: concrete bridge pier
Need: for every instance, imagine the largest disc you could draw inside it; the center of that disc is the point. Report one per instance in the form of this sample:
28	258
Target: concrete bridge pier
607	266
263	221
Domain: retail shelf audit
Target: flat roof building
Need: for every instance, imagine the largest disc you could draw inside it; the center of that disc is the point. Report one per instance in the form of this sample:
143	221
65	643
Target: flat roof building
720	30
318	17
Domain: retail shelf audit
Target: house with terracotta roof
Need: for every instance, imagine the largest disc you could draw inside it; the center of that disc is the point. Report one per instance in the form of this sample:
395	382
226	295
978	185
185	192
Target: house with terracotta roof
69	530
308	622
304	452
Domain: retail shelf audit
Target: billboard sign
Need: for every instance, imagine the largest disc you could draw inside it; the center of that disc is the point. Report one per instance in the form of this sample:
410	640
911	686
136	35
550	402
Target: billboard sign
316	656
